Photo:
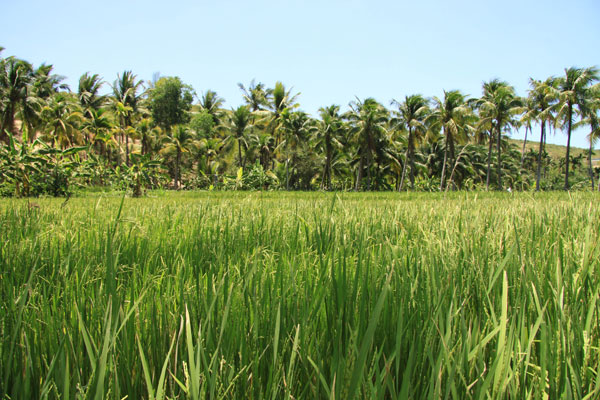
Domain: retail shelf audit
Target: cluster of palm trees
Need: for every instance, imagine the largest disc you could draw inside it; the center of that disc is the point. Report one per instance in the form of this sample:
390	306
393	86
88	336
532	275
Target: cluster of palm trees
450	142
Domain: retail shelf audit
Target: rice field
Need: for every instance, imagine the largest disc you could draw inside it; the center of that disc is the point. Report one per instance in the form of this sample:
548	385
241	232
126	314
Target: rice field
205	295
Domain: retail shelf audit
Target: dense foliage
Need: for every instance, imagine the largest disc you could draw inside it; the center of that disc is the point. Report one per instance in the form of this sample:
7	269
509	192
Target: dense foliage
447	143
200	295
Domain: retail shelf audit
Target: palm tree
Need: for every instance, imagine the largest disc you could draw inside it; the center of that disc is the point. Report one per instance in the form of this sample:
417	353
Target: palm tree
281	98
91	102
255	96
572	90
239	124
61	119
15	78
412	113
499	104
540	106
178	143
368	124
45	83
590	109
88	92
296	127
450	116
328	137
212	103
125	92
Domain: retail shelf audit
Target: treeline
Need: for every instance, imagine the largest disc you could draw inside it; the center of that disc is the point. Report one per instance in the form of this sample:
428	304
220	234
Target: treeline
163	134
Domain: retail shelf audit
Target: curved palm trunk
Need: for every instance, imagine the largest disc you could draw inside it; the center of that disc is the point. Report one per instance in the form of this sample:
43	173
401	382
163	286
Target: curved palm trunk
403	170
539	165
524	143
489	160
445	161
570	114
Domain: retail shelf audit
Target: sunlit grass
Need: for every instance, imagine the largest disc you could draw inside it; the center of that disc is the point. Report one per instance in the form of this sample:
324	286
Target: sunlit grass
301	295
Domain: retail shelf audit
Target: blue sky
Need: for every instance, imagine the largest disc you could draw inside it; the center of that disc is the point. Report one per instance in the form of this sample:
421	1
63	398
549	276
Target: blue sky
329	51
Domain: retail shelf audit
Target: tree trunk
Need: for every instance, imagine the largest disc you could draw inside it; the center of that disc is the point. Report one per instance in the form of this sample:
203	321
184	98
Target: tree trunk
499	154
177	172
403	170
489	160
127	149
359	173
570	115
240	154
411	159
539	166
369	161
590	162
287	173
524	143
445	160
327	170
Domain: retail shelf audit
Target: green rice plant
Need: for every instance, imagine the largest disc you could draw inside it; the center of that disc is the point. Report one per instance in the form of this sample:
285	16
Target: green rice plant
301	296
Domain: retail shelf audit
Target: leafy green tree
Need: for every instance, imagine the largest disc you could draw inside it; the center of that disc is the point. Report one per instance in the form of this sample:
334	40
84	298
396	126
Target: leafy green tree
211	103
88	93
499	104
590	109
329	135
573	92
450	115
412	113
368	121
281	98
296	127
61	120
179	142
15	78
540	107
239	124
170	101
127	103
256	96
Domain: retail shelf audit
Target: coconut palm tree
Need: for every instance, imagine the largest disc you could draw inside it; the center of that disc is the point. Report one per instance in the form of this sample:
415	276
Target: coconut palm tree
449	115
211	102
296	127
15	78
61	119
368	122
88	92
127	97
412	113
328	135
281	98
499	105
255	96
180	142
590	109
572	90
239	125
541	104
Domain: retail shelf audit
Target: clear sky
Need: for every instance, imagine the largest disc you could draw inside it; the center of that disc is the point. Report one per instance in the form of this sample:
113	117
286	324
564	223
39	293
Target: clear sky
329	51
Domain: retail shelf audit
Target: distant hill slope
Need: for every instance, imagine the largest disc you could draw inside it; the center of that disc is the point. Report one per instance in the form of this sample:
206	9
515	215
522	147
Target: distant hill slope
557	151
